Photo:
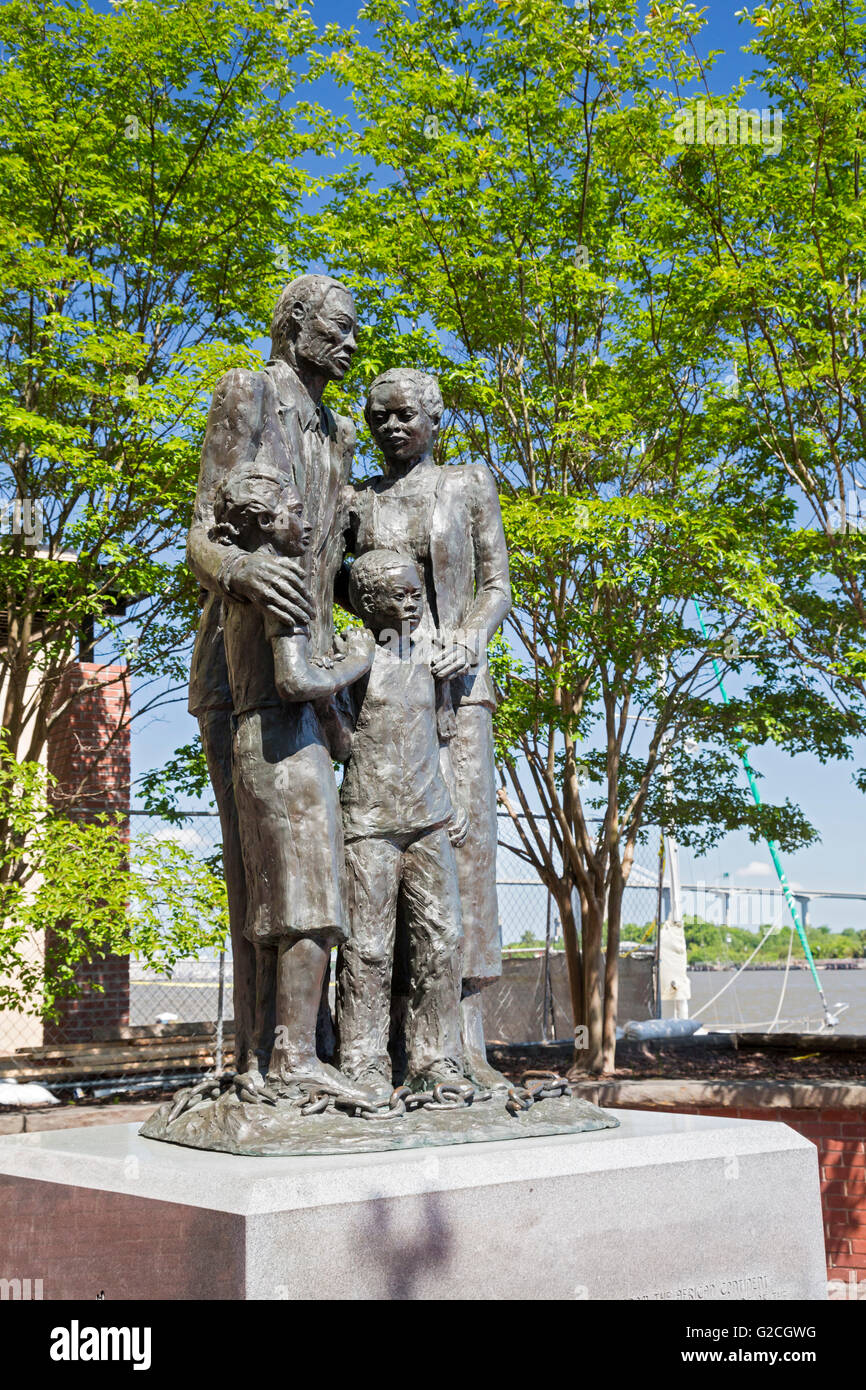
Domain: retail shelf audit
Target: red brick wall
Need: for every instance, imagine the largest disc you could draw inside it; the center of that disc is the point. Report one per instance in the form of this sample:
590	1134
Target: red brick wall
93	776
840	1136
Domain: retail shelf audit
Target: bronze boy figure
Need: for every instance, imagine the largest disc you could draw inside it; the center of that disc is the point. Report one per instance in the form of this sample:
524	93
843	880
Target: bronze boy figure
397	814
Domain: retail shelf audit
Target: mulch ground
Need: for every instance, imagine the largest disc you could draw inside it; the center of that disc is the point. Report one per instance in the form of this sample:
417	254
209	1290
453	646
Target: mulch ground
637	1062
634	1062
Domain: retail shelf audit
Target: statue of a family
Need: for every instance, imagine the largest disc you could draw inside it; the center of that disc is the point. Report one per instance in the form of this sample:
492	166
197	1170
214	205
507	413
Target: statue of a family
396	866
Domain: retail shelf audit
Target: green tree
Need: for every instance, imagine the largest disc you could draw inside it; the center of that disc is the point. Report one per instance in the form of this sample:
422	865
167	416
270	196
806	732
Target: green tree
507	224
150	160
71	892
710	943
773	244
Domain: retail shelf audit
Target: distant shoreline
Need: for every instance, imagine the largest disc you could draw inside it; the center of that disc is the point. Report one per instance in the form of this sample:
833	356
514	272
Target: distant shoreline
851	963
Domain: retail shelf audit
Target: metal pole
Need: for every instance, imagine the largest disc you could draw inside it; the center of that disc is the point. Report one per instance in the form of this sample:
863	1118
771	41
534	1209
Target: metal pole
659	901
552	1003
681	1007
545	1008
221	996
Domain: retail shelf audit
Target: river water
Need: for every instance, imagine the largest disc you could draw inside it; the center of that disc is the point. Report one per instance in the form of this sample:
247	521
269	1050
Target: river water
750	1003
752	1000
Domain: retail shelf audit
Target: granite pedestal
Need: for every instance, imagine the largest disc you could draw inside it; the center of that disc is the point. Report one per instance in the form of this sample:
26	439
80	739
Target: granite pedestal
664	1207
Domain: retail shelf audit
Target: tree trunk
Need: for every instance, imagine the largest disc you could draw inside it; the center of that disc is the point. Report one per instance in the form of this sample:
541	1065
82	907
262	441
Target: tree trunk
593	995
565	908
611	973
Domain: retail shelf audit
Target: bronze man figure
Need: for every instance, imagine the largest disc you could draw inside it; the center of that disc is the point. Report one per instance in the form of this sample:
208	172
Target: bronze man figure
278	409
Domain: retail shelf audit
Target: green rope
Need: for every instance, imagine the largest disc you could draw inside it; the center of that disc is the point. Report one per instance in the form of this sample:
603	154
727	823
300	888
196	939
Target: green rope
771	844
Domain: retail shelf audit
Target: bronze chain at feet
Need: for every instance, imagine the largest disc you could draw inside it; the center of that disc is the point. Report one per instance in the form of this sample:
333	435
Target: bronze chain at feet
440	1088
536	1086
248	1086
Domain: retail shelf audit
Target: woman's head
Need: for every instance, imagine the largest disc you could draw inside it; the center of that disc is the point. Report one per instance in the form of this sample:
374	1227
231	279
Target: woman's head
404	409
257	503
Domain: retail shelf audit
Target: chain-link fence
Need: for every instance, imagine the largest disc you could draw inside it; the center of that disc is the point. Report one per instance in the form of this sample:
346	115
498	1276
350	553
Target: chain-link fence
171	1024
532	1000
528	918
527	912
191	993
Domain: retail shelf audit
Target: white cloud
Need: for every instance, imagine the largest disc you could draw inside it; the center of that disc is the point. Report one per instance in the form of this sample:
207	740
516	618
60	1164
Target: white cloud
757	869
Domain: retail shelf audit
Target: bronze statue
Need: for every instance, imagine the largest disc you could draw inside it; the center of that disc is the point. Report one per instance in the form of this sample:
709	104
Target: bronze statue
398	868
399	827
449	521
313	338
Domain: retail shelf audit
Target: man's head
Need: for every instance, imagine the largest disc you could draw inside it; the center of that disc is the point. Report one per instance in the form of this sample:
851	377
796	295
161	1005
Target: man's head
404	408
386	591
314	326
257	504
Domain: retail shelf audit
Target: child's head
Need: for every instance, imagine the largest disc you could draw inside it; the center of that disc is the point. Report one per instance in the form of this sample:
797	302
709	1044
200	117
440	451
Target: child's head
257	504
386	590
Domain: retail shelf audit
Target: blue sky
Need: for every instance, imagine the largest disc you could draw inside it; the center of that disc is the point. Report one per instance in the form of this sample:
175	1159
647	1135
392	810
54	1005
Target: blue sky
826	794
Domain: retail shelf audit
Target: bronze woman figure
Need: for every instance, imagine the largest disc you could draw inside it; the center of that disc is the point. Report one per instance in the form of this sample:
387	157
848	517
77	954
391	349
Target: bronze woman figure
448	519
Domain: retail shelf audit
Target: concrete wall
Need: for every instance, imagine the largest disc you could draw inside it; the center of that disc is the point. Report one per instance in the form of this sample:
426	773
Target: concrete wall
832	1115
